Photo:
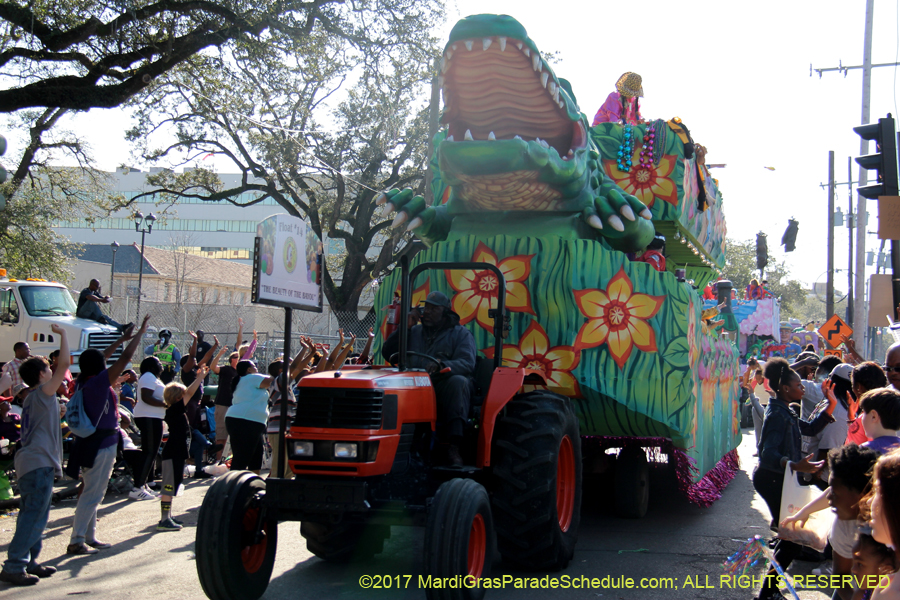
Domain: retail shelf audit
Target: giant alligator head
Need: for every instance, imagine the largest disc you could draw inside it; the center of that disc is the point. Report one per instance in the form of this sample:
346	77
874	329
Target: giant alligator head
515	137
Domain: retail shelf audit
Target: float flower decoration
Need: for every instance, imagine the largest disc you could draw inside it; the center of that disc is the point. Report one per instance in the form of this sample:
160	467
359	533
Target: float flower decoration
647	184
534	352
477	290
418	296
617	317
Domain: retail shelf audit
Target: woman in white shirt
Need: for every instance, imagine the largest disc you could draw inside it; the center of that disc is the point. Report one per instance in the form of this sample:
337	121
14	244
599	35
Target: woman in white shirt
149	413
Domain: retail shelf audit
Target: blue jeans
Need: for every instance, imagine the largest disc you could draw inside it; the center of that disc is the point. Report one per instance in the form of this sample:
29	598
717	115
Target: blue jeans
199	444
36	490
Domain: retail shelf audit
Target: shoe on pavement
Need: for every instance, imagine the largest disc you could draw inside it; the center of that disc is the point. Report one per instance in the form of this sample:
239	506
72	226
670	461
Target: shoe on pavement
180	490
168	525
141	494
80	549
99	545
41	571
177	522
201	475
18	578
153	491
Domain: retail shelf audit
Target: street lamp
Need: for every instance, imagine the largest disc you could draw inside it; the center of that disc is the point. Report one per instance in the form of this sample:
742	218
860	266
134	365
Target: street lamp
112	268
148	222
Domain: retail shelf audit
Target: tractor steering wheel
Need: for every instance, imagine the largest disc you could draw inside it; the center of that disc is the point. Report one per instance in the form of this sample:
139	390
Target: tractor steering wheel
419	354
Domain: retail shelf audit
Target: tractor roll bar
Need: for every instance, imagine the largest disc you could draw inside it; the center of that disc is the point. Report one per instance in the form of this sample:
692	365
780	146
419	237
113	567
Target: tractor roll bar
406	280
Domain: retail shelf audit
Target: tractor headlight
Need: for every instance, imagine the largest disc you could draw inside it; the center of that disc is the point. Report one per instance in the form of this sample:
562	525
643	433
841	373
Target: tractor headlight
345	450
304	449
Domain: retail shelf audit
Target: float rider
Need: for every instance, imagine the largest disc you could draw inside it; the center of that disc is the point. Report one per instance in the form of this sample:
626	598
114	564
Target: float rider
168	355
442	337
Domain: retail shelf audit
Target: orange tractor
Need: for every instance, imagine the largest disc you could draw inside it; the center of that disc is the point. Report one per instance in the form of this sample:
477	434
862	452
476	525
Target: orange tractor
361	453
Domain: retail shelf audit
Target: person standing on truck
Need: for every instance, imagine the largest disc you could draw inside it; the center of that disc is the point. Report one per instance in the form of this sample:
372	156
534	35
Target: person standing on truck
167	353
453	347
23	353
89	302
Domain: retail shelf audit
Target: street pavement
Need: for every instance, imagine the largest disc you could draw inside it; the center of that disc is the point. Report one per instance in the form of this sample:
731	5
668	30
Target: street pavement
675	540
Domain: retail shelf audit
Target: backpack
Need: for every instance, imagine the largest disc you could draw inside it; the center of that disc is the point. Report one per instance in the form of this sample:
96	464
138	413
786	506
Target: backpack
77	418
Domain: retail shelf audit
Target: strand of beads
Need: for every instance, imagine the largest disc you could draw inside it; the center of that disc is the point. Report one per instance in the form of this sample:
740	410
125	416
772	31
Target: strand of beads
626	150
646	160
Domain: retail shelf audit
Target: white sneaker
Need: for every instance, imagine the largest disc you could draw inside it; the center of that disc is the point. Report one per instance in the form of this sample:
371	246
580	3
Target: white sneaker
140	494
180	490
150	491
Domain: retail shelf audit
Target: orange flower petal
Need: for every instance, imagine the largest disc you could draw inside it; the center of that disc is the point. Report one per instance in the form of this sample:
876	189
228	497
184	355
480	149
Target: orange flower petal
619	287
512	356
642	335
564	382
518	299
481	315
666	165
592	303
460	280
620	346
466	304
592	334
484	254
664	189
516	268
534	341
562	357
644	306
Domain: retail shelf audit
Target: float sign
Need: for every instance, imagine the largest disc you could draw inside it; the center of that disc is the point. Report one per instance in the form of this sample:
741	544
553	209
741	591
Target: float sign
287	264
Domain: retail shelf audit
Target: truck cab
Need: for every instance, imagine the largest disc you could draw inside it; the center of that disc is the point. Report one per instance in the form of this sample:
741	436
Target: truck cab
29	307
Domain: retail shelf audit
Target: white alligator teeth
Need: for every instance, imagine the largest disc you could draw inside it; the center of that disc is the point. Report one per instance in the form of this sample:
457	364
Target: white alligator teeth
551	87
537	140
545	144
469	45
647	214
449	54
519	45
449	138
400	219
556	95
570	154
518	137
486	43
468	137
614	221
453	47
545	76
595	222
502	41
491	136
627	212
527	51
562	104
536	61
445	64
417	222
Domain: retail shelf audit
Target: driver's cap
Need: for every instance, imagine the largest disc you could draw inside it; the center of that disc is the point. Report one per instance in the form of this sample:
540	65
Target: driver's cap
438	299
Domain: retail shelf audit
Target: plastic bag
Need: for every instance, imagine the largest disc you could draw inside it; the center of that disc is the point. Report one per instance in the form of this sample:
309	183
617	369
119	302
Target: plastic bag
794	496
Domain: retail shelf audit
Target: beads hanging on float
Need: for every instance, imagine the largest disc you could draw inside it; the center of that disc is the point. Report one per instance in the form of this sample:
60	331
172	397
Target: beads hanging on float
626	150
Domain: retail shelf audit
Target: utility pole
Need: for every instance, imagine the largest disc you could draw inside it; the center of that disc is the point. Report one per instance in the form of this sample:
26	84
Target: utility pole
829	282
859	288
850	223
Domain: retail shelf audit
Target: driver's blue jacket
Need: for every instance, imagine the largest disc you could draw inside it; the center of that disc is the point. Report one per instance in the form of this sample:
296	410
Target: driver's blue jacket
450	342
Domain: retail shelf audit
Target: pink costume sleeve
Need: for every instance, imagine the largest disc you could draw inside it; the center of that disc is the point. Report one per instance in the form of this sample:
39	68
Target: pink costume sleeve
249	353
610	112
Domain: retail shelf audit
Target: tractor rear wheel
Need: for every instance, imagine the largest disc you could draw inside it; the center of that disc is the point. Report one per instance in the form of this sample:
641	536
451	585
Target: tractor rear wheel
536	498
344	542
235	548
459	539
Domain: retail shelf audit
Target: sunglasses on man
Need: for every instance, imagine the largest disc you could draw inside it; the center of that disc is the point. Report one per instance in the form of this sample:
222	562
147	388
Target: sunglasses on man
888	369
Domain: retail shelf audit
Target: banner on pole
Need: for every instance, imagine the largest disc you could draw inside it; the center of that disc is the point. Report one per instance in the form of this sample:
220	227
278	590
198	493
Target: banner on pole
287	264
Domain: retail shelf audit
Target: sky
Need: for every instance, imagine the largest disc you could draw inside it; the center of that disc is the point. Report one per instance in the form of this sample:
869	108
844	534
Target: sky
738	74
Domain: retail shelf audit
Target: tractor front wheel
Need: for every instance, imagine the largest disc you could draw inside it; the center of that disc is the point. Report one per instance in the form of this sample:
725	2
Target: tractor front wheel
235	543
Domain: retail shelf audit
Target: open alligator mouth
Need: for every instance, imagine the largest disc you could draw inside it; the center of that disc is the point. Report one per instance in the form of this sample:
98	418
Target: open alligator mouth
498	88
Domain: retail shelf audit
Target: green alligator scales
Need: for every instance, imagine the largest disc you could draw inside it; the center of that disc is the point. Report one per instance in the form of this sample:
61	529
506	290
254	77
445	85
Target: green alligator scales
522	181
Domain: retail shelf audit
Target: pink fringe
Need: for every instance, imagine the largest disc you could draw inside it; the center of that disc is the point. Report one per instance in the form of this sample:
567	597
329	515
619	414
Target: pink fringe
704	492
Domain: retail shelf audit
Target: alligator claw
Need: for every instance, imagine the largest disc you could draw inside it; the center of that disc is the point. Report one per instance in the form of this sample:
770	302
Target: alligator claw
417	222
388	208
616	223
647	214
399	219
380	199
595	222
627	212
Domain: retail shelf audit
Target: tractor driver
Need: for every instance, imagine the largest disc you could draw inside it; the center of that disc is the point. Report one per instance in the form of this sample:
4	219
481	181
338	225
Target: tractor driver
441	336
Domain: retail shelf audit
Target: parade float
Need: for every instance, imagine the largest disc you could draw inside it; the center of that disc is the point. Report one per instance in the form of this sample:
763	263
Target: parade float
569	213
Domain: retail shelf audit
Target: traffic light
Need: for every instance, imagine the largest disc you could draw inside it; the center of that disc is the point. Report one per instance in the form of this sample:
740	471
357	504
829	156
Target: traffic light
884	160
789	239
762	251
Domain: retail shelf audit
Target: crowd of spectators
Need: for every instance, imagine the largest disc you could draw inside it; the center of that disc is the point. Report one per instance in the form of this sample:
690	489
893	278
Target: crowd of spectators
836	424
